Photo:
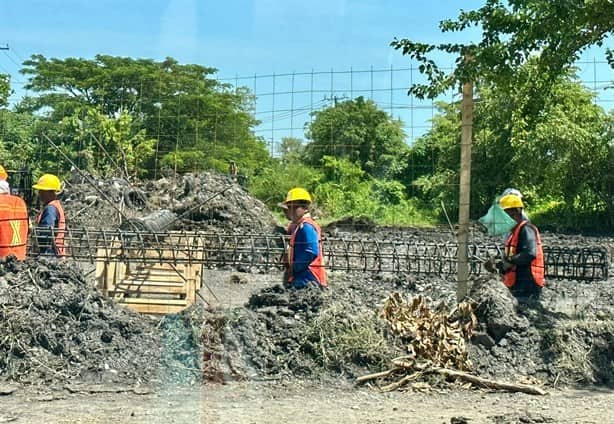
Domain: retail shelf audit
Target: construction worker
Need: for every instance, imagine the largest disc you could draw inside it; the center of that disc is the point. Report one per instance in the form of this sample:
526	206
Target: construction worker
305	257
522	266
13	222
51	222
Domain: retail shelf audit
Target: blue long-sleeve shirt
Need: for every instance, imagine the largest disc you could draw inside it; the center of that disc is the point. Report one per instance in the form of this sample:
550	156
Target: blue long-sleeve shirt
305	250
48	223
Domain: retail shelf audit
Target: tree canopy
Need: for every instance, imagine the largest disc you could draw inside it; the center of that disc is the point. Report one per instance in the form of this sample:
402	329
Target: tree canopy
359	131
164	112
555	32
564	159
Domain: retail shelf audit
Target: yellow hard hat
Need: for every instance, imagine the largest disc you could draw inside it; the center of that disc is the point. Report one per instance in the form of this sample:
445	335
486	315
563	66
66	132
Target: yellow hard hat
510	201
298	194
48	182
3	174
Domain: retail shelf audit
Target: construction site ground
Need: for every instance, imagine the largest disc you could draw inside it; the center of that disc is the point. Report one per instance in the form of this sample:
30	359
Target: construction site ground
302	402
250	351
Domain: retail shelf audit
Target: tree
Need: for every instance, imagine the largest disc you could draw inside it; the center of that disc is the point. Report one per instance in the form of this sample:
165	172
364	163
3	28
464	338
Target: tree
17	138
103	145
5	90
554	32
565	158
359	131
291	150
197	122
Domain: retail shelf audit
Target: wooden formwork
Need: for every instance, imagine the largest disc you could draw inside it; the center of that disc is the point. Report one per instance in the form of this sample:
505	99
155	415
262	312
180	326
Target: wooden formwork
147	287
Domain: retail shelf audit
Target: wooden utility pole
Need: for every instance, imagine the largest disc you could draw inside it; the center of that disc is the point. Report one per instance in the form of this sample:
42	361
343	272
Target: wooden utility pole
465	191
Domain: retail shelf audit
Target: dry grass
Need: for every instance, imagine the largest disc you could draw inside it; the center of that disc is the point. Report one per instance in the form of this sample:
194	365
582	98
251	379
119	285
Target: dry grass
583	351
338	339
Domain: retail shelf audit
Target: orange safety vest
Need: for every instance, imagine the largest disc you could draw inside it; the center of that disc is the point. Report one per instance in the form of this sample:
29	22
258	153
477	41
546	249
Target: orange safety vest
537	264
13	226
60	249
316	267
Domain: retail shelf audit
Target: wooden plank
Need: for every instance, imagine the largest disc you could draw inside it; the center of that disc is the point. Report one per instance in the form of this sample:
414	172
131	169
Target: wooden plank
138	282
147	289
157	275
101	274
169	279
155	309
153	301
190	291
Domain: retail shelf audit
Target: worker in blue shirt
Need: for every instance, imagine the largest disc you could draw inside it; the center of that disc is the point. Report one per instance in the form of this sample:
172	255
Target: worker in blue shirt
51	222
305	256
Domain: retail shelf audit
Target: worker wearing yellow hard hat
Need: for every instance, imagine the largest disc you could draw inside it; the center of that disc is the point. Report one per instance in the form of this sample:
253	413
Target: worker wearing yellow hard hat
305	255
523	262
51	221
13	221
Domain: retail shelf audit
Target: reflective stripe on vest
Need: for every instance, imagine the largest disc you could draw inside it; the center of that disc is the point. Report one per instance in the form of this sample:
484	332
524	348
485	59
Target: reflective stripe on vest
316	267
13	226
59	231
537	264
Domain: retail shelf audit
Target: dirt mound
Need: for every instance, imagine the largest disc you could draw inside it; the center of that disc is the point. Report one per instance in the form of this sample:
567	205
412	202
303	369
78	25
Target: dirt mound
55	327
541	341
206	201
340	332
307	333
351	223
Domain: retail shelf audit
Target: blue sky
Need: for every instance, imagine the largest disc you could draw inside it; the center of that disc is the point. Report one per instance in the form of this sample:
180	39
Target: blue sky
243	38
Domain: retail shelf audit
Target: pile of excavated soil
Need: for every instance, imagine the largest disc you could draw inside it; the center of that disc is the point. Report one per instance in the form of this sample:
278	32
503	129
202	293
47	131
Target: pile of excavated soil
55	326
206	201
57	329
567	337
314	334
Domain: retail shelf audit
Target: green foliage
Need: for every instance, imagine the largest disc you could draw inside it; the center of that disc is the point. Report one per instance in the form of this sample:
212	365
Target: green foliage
291	149
565	157
5	89
555	32
17	138
104	145
348	191
272	182
359	131
182	107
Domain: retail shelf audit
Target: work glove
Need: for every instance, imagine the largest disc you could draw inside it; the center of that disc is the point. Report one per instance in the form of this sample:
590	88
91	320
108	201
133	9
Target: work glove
504	265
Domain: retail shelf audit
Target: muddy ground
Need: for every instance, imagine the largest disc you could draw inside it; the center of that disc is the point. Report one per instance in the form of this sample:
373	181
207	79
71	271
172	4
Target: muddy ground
251	351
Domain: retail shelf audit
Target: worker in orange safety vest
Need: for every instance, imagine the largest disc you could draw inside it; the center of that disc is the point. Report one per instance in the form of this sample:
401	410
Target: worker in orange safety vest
13	222
51	222
523	262
305	255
